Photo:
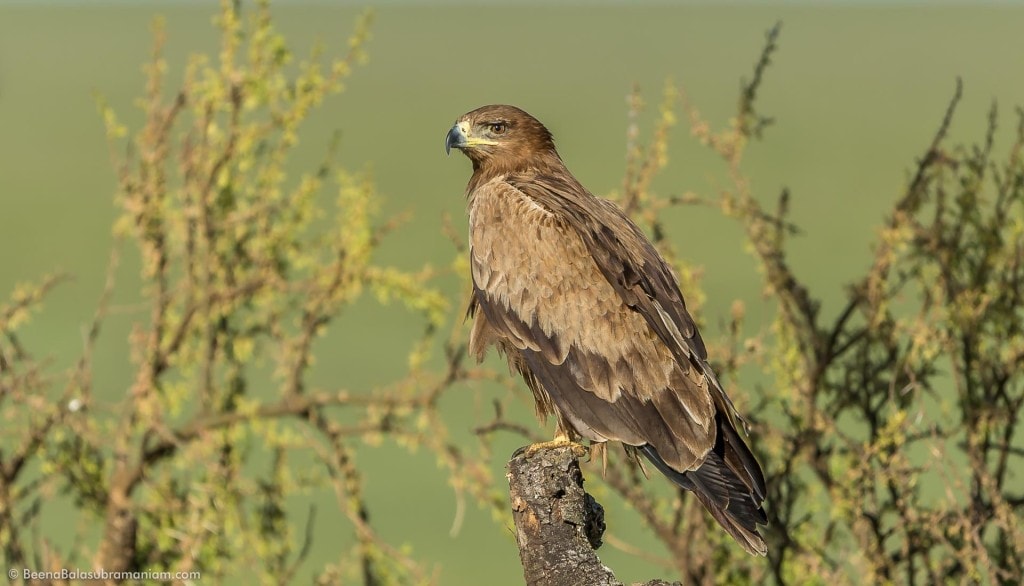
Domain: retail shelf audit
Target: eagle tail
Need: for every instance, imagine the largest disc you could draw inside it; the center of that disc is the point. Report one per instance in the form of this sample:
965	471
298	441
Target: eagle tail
729	484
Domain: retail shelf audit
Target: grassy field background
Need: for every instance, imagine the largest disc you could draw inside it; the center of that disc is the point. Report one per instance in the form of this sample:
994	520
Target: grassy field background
856	92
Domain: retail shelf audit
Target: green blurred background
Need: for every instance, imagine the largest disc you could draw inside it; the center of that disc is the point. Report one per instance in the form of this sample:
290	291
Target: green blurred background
856	91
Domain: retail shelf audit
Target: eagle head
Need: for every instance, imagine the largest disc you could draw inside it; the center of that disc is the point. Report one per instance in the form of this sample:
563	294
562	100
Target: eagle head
500	136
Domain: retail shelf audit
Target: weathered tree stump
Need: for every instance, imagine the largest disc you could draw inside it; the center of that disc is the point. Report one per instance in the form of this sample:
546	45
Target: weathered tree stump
558	525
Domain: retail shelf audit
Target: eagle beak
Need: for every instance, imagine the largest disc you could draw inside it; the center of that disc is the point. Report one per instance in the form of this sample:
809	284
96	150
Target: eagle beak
456	138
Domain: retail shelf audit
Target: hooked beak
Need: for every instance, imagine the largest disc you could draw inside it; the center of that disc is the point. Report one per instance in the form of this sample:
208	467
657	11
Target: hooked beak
460	137
456	138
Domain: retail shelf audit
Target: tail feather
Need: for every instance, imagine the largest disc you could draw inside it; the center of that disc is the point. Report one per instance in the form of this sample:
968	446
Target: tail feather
729	484
746	536
739	459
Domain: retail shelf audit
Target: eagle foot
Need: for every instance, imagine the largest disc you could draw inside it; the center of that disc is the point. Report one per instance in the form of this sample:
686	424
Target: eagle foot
578	450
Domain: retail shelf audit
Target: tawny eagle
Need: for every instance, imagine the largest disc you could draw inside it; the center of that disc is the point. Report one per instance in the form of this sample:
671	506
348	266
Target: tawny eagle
581	303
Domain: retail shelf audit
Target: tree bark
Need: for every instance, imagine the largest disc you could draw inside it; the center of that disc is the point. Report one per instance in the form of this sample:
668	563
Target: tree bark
558	525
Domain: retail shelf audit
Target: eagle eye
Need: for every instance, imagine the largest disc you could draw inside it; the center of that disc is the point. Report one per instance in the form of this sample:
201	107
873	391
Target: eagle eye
498	127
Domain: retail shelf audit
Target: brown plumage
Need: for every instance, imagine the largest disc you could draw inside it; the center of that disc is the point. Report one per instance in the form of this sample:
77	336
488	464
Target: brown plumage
582	304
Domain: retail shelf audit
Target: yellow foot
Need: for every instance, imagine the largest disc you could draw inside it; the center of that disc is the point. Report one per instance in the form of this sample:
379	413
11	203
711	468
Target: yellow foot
578	450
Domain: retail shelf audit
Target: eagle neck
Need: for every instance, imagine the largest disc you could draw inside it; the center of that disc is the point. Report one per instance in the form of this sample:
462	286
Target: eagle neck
541	164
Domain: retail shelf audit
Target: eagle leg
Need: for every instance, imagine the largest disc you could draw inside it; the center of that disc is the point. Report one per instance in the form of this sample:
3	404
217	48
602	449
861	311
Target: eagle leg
579	450
562	439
